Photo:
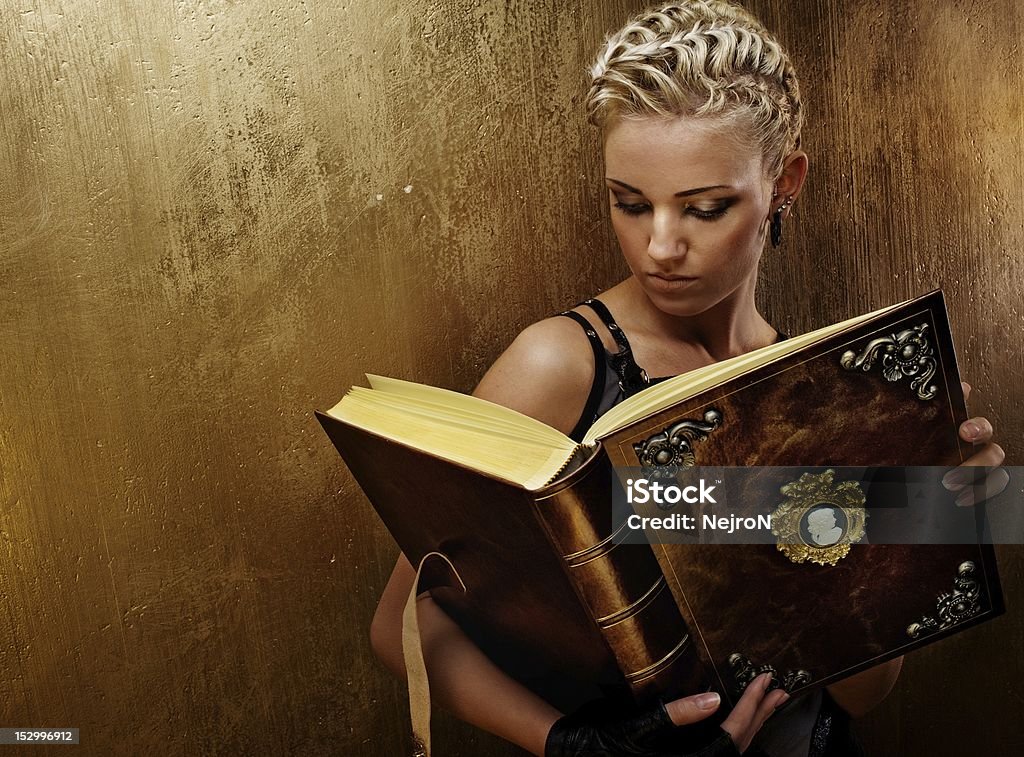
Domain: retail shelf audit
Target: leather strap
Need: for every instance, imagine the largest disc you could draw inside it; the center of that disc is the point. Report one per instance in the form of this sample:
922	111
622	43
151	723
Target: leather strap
415	666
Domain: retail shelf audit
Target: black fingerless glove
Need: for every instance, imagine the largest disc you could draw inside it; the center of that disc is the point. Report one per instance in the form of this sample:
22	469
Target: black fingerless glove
599	730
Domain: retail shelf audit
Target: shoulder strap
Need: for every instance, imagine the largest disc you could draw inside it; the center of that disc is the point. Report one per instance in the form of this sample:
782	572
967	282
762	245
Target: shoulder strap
605	315
632	378
596	389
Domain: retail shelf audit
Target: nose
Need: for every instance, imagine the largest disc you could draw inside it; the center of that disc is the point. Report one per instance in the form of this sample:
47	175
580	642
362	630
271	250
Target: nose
666	243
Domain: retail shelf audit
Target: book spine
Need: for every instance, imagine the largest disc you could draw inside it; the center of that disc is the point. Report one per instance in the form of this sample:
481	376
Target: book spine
622	587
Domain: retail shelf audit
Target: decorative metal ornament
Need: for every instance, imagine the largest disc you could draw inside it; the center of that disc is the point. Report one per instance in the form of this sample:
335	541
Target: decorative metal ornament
744	671
905	353
819	519
662	455
953	607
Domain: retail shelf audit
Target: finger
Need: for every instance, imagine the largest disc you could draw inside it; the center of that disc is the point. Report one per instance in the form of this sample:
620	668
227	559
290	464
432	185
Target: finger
771	701
752	695
988	457
976	430
975	468
967	389
768	705
739	721
992	485
692	709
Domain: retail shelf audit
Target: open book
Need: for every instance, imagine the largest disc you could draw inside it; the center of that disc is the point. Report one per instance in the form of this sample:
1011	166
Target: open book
502	442
524	515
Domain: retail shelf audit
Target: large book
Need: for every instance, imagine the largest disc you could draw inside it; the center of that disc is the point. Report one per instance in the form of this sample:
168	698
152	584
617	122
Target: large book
525	515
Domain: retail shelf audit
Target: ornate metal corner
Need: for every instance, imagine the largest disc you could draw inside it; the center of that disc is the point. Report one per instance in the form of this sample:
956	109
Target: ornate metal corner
744	671
819	519
953	607
905	353
663	454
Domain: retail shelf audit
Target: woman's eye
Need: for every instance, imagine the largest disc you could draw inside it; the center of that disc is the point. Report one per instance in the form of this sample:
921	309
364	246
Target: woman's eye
709	214
632	210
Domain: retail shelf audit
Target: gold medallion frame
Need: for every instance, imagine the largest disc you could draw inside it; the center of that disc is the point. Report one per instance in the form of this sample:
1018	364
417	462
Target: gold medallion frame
811	491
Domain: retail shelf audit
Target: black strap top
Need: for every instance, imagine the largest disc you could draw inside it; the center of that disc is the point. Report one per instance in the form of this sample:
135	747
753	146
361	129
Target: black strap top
616	375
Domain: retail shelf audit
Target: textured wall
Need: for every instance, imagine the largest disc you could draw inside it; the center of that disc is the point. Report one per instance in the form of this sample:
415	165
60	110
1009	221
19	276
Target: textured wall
214	216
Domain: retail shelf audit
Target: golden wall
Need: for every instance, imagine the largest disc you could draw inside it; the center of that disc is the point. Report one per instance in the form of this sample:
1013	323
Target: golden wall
215	216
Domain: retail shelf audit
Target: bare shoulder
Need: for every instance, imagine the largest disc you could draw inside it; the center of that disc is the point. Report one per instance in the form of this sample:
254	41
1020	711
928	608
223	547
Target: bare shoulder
545	373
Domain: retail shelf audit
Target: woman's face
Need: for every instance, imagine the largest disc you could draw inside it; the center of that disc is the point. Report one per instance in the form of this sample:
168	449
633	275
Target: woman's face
690	206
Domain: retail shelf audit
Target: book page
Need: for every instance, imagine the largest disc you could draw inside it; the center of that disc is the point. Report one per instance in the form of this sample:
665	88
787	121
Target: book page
458	427
448	403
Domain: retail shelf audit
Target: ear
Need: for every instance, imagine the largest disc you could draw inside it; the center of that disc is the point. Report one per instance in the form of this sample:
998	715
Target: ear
790	181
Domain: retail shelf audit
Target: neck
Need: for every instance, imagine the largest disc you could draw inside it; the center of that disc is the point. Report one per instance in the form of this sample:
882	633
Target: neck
729	328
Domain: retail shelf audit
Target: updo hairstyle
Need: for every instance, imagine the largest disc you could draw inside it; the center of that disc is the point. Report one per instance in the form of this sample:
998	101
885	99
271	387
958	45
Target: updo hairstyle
700	58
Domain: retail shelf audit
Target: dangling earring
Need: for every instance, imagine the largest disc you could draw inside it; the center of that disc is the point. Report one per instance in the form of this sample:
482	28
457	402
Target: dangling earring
776	226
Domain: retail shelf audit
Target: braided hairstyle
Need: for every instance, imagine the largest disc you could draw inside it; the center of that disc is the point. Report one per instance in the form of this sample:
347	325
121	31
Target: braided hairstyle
700	58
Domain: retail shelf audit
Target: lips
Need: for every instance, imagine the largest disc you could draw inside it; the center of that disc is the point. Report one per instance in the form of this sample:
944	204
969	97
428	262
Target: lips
667	277
668	283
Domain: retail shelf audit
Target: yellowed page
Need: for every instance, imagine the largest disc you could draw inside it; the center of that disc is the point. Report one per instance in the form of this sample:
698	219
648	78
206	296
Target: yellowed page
455	419
527	463
477	412
456	404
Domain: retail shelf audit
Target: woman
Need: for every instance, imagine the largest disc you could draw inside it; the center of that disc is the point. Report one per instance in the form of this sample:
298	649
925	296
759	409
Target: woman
700	114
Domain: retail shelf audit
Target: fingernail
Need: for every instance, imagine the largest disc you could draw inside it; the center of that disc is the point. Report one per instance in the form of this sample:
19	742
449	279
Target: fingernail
707	701
782	700
953	481
971	429
965	498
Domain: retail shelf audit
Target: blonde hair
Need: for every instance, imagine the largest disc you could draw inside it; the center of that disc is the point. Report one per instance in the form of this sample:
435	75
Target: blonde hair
700	58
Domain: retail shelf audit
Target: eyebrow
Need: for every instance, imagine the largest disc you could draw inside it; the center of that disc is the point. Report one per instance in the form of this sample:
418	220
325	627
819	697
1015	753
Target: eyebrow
684	193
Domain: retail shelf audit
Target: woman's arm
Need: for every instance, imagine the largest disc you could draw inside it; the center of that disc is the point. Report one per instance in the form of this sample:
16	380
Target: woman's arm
545	373
462	679
470	686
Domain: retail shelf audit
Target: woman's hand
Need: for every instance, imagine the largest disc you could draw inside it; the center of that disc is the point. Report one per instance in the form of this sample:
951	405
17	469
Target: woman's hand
754	707
595	731
990	457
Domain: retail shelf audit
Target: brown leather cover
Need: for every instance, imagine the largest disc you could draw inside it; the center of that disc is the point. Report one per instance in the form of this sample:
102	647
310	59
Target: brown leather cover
520	607
621	585
807	410
550	596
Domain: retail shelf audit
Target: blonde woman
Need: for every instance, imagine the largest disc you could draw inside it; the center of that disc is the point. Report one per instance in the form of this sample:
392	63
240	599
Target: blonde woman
700	113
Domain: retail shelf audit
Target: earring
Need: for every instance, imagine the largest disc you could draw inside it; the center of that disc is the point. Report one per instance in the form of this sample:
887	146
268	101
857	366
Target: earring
776	226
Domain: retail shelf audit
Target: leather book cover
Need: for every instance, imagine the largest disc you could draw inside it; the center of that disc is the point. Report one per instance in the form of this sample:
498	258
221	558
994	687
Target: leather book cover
551	598
521	607
883	393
